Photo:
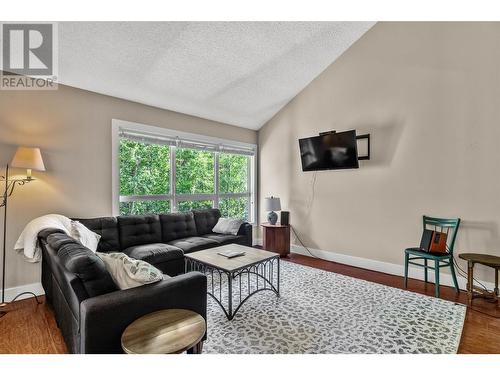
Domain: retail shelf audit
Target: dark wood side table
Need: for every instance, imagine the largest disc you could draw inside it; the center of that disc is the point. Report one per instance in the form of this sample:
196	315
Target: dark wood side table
276	238
165	332
486	260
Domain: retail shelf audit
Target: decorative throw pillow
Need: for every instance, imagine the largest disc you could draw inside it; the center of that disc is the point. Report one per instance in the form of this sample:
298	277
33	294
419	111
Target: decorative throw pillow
83	234
129	273
227	226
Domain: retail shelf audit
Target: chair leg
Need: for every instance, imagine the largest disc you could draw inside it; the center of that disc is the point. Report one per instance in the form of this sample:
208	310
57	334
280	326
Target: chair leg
454	276
406	270
436	281
425	270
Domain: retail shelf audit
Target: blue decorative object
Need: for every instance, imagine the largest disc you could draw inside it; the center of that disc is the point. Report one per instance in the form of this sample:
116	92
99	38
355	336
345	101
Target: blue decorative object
272	217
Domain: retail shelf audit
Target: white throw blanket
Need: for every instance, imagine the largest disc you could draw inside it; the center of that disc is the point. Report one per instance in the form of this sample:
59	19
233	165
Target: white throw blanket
28	240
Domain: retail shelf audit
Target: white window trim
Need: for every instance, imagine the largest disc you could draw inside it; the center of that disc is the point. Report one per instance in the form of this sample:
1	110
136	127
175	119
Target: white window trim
118	126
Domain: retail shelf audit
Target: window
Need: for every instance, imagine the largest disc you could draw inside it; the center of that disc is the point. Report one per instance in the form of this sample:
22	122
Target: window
144	176
163	172
234	207
194	171
233	173
234	186
144	168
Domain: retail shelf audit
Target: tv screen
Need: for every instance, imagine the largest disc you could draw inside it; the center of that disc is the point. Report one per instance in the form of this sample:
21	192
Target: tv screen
329	151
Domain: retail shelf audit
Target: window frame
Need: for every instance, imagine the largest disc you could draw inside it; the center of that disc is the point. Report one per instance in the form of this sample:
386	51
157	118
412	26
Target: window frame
120	126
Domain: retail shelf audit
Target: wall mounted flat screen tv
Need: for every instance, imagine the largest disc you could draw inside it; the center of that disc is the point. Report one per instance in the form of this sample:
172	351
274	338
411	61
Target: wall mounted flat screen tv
329	151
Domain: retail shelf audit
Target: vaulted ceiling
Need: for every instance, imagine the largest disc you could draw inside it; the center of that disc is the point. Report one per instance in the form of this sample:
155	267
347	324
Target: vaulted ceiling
240	73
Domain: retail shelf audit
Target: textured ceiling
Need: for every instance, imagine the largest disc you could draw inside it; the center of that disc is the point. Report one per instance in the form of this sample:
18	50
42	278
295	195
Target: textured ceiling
240	73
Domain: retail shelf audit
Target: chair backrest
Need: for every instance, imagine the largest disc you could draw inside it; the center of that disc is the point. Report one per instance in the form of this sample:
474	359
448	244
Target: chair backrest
448	226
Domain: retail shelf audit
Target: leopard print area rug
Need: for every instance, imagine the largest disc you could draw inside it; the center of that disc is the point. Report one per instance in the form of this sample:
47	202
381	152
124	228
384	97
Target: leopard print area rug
324	312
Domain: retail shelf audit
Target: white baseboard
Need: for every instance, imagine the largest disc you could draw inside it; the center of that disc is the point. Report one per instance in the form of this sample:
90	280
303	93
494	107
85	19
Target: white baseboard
10	293
375	265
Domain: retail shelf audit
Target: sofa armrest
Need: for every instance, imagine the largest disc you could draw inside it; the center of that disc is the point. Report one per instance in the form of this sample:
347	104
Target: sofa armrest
44	233
104	318
246	230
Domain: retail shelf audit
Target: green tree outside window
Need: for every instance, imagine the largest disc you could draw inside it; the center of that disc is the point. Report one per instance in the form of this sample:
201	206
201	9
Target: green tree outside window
194	171
194	205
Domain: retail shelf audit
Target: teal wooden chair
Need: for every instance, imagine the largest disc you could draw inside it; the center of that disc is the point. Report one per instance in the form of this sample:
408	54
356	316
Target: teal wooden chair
412	255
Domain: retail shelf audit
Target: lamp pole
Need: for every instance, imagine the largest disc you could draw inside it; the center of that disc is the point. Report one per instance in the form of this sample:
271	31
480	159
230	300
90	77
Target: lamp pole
9	189
5	198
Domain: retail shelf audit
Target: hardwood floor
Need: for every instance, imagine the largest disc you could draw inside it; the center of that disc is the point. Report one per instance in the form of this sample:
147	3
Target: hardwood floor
31	328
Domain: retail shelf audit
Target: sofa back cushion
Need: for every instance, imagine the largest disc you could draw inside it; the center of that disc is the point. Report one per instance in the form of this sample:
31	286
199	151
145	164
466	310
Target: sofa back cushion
178	225
107	228
139	230
82	262
205	220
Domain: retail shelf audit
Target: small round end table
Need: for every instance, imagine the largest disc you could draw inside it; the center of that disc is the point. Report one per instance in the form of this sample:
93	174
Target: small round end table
165	332
486	260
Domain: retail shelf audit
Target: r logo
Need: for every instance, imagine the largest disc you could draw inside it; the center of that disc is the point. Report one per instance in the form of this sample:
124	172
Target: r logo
28	49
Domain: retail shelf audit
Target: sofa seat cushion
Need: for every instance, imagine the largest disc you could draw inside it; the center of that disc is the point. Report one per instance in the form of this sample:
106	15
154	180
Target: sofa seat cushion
190	244
224	239
154	253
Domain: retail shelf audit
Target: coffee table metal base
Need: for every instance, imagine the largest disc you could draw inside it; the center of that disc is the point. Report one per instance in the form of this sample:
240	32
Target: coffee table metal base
241	284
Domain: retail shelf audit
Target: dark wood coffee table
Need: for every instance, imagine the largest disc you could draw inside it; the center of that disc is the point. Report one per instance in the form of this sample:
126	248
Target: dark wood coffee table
486	260
165	332
256	271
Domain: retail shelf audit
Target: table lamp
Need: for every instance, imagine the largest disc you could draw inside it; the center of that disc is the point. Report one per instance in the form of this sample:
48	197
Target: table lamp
28	158
272	204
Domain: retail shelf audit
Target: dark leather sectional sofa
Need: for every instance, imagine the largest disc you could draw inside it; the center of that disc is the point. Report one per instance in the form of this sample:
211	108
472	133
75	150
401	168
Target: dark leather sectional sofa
90	310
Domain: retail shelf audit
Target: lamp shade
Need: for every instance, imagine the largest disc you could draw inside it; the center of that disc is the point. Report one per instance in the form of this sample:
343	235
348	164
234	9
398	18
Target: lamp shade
28	158
273	204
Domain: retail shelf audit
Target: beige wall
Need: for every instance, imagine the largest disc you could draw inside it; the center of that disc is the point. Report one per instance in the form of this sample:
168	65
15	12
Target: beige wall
429	94
73	129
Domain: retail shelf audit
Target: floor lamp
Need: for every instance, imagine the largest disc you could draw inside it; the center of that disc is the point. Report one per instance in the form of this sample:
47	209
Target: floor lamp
28	158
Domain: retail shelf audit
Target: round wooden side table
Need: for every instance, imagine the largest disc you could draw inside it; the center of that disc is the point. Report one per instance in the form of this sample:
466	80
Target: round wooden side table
165	332
488	261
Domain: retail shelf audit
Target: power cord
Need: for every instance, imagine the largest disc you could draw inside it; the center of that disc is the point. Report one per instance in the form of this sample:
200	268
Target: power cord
309	209
302	243
38	302
463	274
3	312
313	191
